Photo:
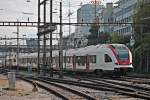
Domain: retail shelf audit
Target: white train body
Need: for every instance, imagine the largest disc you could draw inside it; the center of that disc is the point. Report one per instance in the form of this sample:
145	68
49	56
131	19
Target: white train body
106	57
11	59
95	58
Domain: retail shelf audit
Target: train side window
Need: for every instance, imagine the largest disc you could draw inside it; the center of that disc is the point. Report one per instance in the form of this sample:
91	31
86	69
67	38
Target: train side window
56	59
93	58
64	59
34	60
68	59
23	61
14	60
107	58
83	60
53	60
80	60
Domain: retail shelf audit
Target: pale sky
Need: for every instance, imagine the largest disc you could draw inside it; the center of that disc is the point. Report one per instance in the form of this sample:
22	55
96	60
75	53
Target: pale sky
11	10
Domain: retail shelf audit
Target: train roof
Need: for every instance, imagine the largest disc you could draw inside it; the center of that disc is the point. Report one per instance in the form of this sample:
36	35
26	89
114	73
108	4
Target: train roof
27	55
90	49
76	51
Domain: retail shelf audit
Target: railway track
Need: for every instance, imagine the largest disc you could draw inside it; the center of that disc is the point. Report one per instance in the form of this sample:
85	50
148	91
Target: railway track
123	86
59	90
139	80
135	83
106	86
53	85
146	76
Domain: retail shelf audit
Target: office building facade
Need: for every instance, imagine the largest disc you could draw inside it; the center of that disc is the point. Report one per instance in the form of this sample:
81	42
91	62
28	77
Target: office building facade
123	13
87	14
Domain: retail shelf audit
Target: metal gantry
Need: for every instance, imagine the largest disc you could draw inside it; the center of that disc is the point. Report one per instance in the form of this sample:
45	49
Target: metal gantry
19	23
51	22
43	30
60	44
17	48
53	25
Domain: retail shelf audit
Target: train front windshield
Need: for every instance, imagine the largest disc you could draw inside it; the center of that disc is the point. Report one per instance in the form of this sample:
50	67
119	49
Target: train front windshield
122	52
122	55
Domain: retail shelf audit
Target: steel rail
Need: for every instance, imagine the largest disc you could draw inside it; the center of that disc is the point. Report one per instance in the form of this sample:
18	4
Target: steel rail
68	89
122	86
129	92
46	88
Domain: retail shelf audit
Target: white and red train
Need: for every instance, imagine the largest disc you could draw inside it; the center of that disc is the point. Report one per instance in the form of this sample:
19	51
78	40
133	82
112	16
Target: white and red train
95	58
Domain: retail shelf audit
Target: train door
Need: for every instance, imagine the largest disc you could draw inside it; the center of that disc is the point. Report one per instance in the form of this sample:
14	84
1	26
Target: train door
74	62
57	62
108	62
87	62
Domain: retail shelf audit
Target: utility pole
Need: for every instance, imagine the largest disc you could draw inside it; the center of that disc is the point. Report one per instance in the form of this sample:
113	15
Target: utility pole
60	45
69	15
44	39
51	21
38	37
24	41
68	46
17	47
141	39
10	43
24	38
44	29
5	51
95	10
141	55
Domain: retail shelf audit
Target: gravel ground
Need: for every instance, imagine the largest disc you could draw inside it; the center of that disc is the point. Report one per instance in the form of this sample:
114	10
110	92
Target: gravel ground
23	91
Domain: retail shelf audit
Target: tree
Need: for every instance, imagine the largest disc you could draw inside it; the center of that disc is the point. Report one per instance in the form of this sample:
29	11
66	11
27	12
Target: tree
104	37
142	36
95	27
116	38
101	38
142	15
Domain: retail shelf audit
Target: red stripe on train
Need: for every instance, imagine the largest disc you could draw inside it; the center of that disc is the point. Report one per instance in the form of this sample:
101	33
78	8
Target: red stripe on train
120	62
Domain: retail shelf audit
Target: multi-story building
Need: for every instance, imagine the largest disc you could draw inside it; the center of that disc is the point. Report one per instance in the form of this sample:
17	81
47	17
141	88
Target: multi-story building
86	14
107	18
123	13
